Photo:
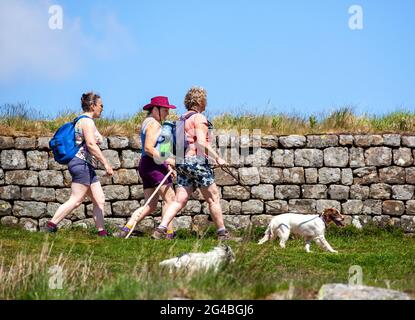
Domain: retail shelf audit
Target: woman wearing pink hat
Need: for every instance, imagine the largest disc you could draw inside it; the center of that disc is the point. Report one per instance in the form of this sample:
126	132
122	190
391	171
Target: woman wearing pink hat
152	168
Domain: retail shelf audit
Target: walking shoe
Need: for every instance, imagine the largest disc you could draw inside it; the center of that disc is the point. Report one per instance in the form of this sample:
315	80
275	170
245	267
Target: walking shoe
171	236
159	233
51	227
122	233
225	235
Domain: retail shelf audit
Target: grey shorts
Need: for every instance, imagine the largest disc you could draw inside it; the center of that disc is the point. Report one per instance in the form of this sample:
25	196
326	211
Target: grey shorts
82	172
194	172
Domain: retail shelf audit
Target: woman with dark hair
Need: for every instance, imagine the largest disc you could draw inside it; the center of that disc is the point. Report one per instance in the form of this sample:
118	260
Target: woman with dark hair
153	168
82	166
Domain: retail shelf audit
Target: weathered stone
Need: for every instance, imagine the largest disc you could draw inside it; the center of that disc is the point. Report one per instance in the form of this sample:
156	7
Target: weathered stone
283	158
338	291
360	221
302	206
29	209
37	160
6	143
378	156
352	207
336	157
137	192
63	194
237	222
408	141
410	175
103	178
308	158
200	223
403	192
64	224
408	223
130	159
314	191
263	191
287	192
385	221
28	224
327	204
13	159
261	220
22	177
359	192
43	143
107	210
104	144
293	175
357	158
146	225
393	208
51	178
276	207
252	207
293	141
367	175
380	191
235	207
270	175
25	143
135	142
183	222
347	177
232	156
76	214
125	208
84	224
192	207
224	179
392	140
368	140
338	192
9	221
10	192
1	176
346	140
235	192
259	158
38	194
329	175
311	175
322	141
268	141
249	176
125	177
118	142
403	157
53	165
5	208
410	207
113	159
116	222
392	175
116	192
372	207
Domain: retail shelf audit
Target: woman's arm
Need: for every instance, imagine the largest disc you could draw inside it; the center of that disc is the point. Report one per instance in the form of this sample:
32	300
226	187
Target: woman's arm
202	147
88	130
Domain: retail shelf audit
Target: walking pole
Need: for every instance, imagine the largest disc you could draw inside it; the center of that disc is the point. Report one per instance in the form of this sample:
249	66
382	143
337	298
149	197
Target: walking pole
140	210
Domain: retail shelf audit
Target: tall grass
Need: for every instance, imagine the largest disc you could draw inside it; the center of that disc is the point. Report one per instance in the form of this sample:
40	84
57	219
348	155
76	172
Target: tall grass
18	119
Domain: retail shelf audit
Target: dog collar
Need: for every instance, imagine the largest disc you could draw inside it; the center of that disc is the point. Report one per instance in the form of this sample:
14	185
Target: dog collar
321	216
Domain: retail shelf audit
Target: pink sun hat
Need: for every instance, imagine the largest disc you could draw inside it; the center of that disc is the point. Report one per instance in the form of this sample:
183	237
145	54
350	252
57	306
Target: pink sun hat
159	101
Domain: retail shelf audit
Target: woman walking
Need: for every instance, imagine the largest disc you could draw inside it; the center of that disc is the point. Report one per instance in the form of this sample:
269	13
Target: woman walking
195	171
82	166
152	167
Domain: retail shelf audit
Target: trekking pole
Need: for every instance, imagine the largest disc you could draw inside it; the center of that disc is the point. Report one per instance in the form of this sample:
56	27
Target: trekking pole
140	210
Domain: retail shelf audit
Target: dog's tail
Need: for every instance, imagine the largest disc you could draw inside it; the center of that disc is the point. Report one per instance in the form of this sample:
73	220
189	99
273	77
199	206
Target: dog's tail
267	235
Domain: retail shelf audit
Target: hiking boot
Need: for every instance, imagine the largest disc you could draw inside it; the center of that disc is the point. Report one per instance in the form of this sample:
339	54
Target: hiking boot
225	235
159	233
122	233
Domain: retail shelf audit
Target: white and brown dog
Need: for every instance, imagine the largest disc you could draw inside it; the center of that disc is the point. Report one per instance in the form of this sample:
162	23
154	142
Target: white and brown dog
190	263
309	226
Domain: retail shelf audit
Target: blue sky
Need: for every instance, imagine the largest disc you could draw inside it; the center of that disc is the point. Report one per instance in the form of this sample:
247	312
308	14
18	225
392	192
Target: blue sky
296	56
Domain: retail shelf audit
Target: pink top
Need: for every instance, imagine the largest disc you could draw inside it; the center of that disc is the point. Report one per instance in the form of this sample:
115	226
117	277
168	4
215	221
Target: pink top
190	133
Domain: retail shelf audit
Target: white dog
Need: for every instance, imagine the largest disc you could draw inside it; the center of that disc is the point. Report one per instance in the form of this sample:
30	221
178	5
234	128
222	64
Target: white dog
195	261
309	226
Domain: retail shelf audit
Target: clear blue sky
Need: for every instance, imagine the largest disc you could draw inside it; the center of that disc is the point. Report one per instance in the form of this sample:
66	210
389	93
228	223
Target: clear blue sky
296	56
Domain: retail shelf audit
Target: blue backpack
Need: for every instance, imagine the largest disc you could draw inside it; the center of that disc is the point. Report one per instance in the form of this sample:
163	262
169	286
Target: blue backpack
63	143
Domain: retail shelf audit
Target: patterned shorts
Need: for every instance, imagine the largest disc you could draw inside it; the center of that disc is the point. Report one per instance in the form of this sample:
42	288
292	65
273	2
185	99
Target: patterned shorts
194	172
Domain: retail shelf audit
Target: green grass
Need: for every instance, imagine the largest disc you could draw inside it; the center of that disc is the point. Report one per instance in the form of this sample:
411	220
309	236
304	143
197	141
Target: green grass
128	269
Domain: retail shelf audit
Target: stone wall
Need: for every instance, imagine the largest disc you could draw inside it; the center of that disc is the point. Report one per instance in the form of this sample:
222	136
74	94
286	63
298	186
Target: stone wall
367	177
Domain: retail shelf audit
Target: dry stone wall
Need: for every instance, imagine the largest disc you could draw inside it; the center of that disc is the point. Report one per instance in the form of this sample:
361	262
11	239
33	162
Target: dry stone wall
369	178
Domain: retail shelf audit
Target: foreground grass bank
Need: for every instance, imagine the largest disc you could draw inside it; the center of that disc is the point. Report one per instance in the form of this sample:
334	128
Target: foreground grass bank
128	269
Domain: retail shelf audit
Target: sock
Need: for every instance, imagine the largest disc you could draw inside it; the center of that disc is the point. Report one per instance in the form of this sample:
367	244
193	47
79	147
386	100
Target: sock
170	231
162	227
126	228
221	230
51	226
102	233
